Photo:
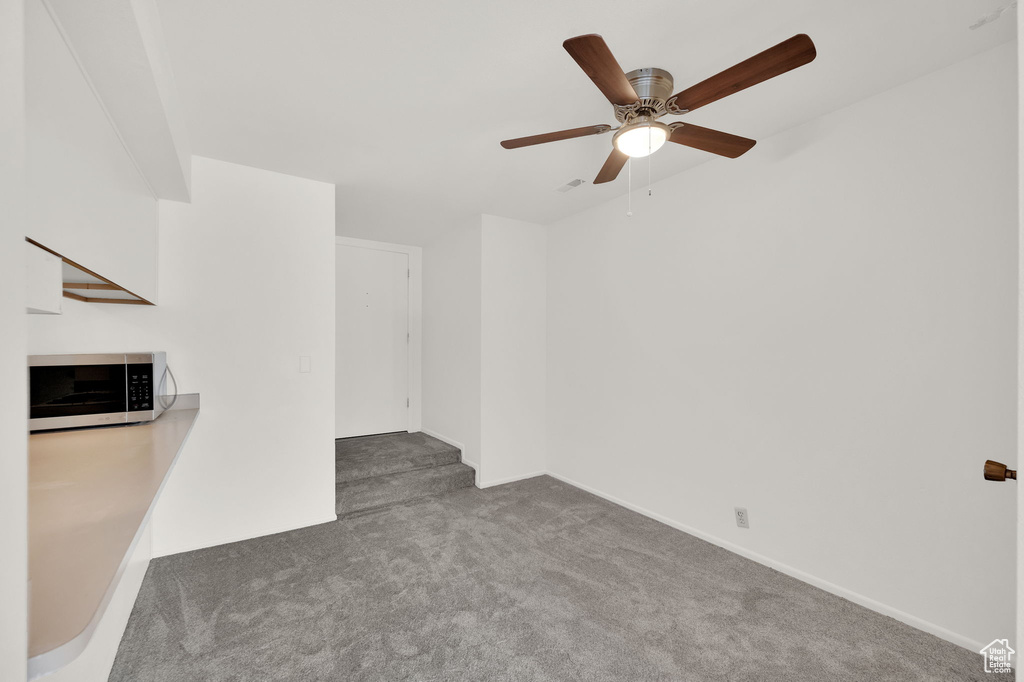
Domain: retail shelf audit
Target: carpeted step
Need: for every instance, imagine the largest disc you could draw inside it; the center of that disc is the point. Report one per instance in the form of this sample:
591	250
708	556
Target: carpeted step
366	456
380	491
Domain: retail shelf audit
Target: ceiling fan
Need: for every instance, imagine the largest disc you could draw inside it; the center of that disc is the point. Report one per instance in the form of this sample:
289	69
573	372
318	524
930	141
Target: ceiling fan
642	96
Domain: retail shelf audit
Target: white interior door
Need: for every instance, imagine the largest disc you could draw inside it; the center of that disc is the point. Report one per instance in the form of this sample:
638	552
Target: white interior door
372	387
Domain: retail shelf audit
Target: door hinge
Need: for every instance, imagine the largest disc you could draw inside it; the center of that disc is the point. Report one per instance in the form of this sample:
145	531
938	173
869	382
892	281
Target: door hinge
407	402
408	274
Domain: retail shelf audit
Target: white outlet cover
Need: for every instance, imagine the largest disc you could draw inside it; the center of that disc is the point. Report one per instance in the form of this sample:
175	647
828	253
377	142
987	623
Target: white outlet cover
742	518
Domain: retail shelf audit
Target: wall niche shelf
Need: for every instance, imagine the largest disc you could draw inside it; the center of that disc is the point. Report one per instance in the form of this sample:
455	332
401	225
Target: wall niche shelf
82	284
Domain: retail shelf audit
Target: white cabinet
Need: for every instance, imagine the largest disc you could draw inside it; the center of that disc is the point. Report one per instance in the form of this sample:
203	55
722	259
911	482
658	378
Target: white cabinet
44	288
86	199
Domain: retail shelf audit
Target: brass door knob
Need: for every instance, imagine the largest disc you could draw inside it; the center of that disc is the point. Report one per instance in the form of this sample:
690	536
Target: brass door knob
996	471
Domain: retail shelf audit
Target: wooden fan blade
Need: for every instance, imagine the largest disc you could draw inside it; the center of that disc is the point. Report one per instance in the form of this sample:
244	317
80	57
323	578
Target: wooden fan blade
709	140
786	56
597	61
610	169
554	137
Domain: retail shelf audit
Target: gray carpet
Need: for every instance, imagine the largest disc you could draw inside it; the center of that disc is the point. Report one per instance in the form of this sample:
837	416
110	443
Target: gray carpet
534	580
376	471
389	453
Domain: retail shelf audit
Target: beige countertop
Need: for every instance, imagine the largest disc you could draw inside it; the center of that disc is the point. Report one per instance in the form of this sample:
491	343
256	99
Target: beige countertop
90	494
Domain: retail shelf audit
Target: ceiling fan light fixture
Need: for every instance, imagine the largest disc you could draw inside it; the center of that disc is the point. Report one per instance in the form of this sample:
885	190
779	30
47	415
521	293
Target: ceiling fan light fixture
641	139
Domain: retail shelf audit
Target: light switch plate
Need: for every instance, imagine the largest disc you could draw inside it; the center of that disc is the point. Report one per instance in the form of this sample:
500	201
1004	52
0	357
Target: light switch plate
304	364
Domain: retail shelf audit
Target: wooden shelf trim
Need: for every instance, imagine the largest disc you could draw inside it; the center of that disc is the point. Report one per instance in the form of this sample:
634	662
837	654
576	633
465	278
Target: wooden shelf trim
108	285
123	301
91	285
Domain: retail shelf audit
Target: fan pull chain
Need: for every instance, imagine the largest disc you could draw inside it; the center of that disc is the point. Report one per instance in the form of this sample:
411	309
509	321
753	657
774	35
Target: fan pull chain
649	155
629	187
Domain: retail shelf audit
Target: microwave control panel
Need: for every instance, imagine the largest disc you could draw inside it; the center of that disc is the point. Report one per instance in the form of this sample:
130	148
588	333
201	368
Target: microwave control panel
140	387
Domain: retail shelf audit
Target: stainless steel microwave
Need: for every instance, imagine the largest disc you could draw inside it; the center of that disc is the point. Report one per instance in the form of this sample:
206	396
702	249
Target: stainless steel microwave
68	391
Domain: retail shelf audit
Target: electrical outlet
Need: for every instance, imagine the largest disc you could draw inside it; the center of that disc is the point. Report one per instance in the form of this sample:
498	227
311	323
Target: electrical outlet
742	520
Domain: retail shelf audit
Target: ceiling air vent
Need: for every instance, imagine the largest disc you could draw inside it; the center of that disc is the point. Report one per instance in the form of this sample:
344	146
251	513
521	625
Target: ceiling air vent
572	184
989	18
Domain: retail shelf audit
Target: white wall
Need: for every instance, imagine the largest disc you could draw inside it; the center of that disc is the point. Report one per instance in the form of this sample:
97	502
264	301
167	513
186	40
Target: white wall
822	331
87	199
513	347
247	282
13	462
1020	328
484	346
451	340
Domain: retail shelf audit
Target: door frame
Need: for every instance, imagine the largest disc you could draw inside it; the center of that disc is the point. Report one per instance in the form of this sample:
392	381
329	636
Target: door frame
415	254
1019	635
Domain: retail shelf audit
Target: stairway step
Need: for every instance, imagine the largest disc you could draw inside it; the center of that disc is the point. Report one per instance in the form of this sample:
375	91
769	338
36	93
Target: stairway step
380	491
366	456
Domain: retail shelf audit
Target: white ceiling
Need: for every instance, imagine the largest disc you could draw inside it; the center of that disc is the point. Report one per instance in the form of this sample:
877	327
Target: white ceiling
402	104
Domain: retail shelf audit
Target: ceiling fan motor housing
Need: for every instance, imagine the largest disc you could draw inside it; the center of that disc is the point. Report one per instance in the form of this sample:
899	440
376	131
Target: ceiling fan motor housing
653	86
651	83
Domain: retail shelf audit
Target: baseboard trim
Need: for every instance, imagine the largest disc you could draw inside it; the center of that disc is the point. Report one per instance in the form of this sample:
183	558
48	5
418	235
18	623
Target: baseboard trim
475	466
856	598
446	439
236	538
511	479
